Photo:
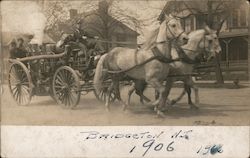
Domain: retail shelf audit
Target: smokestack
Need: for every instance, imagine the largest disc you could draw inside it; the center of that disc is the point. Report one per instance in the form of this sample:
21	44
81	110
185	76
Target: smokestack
72	13
103	6
23	17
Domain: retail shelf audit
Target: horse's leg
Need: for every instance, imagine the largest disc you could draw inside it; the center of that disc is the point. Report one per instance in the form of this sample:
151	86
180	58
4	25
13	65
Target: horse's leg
158	87
140	86
174	101
108	96
188	90
143	97
156	94
130	92
196	92
118	94
164	94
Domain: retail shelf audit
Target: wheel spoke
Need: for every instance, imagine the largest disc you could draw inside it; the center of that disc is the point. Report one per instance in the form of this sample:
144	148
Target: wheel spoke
67	99
15	94
19	83
60	80
65	87
25	89
12	76
24	97
19	95
73	98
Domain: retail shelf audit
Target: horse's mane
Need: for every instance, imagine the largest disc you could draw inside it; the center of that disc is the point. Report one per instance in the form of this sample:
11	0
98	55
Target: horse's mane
194	38
150	39
193	34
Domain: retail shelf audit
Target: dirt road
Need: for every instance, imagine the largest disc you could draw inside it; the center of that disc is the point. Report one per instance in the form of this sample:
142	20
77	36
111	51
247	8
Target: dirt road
219	106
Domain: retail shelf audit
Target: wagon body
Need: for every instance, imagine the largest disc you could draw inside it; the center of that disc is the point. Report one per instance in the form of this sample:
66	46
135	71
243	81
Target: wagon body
63	75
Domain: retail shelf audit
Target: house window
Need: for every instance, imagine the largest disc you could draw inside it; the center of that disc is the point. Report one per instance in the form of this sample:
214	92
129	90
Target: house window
120	37
238	18
189	24
200	19
243	18
235	18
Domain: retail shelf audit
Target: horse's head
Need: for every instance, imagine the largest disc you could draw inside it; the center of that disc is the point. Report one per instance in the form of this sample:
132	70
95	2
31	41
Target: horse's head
211	44
174	29
65	38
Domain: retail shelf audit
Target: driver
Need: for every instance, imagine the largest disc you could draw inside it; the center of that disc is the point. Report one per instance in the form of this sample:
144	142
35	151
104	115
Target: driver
80	37
84	40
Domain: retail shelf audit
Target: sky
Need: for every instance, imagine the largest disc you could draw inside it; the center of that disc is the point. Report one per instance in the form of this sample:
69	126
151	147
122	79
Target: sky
146	10
27	16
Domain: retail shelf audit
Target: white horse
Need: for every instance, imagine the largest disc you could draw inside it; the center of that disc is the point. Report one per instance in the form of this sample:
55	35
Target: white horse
211	46
202	43
151	63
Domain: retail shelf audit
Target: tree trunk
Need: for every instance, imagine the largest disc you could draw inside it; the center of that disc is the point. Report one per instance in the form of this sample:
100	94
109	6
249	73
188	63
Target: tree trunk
218	72
210	20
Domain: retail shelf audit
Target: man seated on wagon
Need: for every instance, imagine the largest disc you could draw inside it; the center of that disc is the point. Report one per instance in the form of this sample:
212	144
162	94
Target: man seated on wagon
17	49
86	42
21	48
80	37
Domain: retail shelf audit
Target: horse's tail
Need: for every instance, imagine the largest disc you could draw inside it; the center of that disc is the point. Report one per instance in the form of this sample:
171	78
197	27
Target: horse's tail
99	74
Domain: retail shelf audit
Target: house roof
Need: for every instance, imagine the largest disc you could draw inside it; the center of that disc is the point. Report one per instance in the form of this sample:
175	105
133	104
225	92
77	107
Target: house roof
233	34
92	16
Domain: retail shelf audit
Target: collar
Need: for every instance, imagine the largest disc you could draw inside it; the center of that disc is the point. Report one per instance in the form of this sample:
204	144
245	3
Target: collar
160	57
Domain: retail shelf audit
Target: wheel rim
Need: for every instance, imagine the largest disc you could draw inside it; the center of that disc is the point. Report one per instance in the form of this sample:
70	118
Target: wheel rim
66	87
20	84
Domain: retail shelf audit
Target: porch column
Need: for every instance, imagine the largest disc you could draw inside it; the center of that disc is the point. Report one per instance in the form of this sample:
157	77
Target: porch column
227	42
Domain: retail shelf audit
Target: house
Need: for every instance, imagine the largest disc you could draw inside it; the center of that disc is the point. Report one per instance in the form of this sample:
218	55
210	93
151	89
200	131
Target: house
100	23
234	33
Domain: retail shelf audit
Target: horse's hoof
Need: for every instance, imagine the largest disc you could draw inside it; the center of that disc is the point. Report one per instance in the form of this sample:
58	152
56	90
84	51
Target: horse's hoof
160	114
155	109
168	102
165	109
172	102
194	107
107	109
125	111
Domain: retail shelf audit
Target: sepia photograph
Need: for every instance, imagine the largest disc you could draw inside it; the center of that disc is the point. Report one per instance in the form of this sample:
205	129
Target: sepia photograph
125	63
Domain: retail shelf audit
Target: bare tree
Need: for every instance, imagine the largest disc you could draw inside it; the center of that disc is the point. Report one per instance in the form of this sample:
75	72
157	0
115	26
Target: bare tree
55	13
210	12
106	16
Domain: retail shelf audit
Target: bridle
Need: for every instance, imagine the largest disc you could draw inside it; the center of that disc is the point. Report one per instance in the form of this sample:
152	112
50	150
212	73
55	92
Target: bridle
205	51
175	38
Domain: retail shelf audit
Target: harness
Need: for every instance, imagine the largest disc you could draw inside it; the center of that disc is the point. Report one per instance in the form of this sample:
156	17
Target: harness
184	57
157	55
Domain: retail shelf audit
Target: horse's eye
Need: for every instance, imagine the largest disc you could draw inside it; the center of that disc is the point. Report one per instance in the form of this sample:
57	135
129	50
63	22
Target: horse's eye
173	25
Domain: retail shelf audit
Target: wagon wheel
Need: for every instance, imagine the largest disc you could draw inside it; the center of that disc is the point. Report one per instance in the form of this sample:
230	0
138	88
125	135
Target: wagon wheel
101	96
20	83
66	87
